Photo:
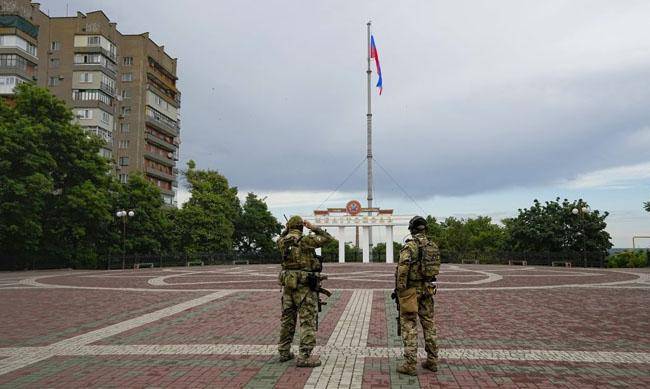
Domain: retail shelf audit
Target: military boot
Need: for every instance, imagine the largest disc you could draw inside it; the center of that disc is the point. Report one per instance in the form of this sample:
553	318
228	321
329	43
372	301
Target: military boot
307	361
287	356
430	364
406	368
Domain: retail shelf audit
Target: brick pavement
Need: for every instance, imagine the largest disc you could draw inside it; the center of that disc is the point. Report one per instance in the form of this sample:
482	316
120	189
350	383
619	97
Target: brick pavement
499	326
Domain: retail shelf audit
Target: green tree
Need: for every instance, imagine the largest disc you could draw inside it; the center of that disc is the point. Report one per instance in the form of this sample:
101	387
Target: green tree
554	227
148	230
55	194
206	222
256	227
463	235
379	251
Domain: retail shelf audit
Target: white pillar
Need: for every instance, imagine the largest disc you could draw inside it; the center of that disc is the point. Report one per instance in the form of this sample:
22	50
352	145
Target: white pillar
365	244
389	244
341	244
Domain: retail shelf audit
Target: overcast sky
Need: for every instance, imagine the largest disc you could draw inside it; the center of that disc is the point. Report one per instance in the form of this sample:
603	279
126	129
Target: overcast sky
486	105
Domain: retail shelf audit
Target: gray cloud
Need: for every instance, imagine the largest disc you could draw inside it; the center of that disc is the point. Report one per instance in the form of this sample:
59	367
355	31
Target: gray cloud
477	97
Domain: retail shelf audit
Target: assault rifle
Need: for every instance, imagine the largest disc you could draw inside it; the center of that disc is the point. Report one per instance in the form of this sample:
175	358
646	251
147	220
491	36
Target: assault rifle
399	322
314	281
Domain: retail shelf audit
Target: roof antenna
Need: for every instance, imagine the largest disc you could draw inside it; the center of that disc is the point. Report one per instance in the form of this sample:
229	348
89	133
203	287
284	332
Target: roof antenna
66	10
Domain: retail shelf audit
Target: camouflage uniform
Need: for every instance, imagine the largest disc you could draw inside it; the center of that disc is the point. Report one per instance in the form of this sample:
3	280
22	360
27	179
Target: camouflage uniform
299	258
412	278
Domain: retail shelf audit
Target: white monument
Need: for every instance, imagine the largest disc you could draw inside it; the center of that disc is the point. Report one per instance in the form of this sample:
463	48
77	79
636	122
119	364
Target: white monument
353	215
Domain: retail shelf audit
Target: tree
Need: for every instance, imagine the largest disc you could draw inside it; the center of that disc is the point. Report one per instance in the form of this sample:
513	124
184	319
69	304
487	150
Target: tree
256	227
55	197
206	222
553	227
646	205
463	235
379	251
147	230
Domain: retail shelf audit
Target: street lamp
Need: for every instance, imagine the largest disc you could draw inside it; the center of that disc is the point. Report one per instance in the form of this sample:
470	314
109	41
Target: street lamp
581	212
124	215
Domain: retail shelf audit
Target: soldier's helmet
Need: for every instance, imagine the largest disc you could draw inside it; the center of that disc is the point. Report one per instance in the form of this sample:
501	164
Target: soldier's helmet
417	224
295	223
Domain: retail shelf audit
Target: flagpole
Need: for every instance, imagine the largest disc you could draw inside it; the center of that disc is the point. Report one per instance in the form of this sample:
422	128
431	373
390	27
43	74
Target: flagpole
369	155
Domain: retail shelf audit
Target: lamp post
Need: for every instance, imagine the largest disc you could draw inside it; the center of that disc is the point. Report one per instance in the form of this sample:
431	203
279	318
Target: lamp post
580	212
124	215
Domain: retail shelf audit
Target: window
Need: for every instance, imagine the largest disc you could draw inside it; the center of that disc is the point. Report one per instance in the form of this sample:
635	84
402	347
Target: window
54	81
84	114
12	61
86	78
56	46
127	77
106	153
7	80
31	49
123	144
126	93
124	178
87	58
126	110
106	117
93	41
124	127
18	42
128	61
124	161
91	94
54	62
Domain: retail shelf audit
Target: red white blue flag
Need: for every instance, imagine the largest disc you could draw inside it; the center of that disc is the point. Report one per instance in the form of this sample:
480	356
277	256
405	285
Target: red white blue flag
374	54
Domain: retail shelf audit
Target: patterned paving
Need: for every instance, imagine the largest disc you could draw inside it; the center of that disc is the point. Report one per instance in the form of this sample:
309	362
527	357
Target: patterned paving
498	326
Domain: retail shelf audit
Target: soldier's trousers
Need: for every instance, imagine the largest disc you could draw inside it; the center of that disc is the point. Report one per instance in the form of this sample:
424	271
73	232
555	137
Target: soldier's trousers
302	302
410	332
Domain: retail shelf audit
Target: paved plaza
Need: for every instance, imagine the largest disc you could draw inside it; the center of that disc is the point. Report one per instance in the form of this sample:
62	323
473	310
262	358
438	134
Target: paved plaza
498	326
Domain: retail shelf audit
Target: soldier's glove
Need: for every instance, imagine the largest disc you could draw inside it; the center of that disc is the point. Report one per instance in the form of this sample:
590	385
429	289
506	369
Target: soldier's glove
393	295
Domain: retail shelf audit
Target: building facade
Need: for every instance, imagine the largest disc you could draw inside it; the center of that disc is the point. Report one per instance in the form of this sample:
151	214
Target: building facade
120	87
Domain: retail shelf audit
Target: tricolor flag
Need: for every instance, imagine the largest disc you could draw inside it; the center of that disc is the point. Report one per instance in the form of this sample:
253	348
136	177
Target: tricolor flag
374	54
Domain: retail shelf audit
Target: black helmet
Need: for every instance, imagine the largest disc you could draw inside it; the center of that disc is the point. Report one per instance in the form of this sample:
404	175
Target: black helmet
417	223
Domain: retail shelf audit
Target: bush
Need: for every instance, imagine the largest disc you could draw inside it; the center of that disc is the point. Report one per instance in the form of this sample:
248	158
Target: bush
628	259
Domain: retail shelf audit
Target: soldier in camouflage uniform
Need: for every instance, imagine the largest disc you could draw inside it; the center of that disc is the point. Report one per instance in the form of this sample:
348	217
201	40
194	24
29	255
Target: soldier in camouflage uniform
408	275
298	263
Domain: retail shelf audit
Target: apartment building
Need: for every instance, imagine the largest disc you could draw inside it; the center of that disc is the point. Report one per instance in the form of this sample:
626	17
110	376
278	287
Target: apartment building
121	88
148	136
18	46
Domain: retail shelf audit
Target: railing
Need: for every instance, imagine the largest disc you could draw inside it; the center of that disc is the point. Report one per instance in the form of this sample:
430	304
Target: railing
162	122
114	260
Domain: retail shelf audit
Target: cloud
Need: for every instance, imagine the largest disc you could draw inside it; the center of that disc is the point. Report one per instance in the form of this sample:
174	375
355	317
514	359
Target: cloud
476	97
620	177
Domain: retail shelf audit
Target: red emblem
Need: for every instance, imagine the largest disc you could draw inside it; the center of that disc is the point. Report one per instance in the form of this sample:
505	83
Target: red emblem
353	207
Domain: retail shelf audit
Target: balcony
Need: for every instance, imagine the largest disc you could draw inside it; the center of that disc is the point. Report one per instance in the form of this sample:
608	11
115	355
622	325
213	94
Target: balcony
8	68
161	123
160	159
161	175
160	142
89	67
107	88
96	49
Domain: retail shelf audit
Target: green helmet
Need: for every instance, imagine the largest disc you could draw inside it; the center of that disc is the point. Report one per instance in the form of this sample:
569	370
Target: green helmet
295	223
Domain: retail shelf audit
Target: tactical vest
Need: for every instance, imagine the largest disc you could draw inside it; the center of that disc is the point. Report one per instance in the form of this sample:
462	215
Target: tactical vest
296	256
424	267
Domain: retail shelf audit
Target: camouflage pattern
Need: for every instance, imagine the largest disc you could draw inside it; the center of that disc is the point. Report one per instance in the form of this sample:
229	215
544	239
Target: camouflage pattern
405	278
295	222
299	258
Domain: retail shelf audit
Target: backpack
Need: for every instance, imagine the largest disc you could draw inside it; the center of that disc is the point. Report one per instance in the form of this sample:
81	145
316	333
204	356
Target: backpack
428	259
